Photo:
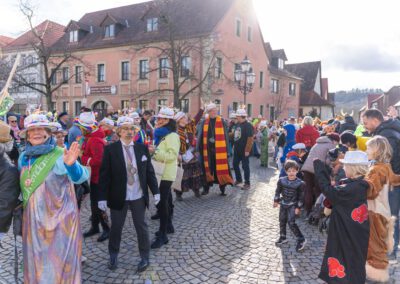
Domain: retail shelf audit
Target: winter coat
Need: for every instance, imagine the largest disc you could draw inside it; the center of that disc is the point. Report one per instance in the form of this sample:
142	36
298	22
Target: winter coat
318	151
93	149
348	124
9	191
307	135
391	130
167	151
347	246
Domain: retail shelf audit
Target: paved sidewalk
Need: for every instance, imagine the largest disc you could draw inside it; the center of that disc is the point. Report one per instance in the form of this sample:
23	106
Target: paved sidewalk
217	240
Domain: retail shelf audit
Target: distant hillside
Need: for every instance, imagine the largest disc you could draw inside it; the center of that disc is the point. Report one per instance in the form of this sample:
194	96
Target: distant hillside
353	100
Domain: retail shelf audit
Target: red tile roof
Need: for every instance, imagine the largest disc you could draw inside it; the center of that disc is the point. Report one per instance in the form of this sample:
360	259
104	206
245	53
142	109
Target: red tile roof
191	18
48	30
4	40
311	98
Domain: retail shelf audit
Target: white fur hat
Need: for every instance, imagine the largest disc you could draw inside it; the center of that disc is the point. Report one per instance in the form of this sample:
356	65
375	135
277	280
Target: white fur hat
179	116
166	112
107	121
124	120
210	107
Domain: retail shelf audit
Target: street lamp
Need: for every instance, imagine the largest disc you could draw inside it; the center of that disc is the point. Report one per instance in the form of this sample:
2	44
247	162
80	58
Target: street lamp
245	78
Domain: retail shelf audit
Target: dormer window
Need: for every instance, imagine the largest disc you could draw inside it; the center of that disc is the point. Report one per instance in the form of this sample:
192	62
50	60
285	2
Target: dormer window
281	63
110	31
152	25
73	36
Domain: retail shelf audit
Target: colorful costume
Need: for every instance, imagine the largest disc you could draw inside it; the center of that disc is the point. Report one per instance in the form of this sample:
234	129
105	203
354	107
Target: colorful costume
52	238
264	147
380	178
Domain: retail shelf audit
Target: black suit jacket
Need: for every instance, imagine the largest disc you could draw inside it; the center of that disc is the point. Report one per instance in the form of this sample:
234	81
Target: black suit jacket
113	175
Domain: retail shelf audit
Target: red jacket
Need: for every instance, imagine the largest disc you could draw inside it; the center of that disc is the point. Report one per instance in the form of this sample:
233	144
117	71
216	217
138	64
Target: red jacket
93	149
307	135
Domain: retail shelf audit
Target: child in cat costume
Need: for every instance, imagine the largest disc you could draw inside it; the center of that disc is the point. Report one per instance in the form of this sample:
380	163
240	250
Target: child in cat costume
380	178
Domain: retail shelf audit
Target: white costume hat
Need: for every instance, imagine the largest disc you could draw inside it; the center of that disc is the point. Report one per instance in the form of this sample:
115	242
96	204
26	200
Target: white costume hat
166	112
107	121
355	158
134	115
210	107
232	115
299	146
179	116
36	121
241	112
124	120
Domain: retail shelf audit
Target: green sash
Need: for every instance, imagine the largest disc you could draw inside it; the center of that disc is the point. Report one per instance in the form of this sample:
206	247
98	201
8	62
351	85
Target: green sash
38	173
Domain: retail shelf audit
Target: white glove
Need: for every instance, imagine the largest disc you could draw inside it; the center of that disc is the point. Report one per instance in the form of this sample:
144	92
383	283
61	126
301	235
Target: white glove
156	199
102	205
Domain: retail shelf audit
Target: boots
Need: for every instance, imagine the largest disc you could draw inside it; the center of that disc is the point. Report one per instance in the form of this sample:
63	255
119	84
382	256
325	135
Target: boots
179	196
206	190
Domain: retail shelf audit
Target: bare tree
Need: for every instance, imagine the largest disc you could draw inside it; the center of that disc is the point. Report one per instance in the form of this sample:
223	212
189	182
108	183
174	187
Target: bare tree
278	101
47	62
175	56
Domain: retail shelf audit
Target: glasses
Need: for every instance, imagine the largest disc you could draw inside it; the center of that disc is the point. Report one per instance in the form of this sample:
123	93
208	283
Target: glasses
13	121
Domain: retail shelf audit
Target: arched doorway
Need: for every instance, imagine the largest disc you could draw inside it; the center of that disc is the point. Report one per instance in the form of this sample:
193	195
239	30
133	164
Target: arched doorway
101	108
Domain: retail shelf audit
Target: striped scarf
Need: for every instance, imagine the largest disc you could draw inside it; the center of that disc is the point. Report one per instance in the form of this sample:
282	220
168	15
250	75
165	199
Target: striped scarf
183	138
222	167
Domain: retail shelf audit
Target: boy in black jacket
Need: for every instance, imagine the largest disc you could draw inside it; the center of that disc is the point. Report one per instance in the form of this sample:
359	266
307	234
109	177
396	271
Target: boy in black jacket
289	193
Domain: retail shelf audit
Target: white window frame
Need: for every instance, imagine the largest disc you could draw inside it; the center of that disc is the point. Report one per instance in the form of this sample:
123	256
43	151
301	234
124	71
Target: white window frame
73	36
109	31
238	27
144	74
292	92
152	25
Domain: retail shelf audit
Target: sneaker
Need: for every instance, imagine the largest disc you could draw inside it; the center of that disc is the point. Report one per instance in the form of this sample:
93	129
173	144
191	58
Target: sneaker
281	241
237	183
159	242
300	245
92	231
246	187
392	258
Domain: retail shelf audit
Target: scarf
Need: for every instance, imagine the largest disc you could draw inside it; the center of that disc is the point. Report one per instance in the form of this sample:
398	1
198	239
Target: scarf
222	167
160	133
46	147
183	138
191	132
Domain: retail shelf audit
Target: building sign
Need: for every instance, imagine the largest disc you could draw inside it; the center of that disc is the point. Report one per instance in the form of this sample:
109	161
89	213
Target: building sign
101	90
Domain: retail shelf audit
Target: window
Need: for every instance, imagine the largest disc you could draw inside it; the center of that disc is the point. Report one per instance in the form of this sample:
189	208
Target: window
281	63
125	71
274	86
143	69
78	74
53	77
218	69
101	73
291	112
144	105
261	110
162	103
163	70
73	36
272	113
152	25
249	34
185	66
110	31
185	105
261	79
238	28
78	105
237	67
235	106
65	107
125	104
65	75
292	89
249	110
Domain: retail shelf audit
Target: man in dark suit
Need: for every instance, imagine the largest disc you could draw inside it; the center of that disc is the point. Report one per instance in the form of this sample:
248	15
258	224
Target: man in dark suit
125	175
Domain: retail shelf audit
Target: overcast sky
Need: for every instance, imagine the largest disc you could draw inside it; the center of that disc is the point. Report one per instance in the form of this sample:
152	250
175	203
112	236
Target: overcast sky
358	41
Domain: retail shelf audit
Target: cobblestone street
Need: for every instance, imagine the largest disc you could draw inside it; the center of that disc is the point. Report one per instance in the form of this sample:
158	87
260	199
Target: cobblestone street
217	240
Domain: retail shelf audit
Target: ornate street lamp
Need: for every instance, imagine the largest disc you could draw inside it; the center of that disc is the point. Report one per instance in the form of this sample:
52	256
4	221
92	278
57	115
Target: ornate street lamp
245	78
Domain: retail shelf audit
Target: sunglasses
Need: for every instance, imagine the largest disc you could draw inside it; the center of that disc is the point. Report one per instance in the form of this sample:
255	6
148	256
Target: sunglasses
12	121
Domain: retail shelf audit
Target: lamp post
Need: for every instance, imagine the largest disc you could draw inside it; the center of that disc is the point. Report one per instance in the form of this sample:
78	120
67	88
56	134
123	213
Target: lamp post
245	78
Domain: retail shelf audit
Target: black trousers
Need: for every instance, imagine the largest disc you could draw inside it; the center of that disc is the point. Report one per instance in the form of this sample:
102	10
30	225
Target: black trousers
165	207
98	216
287	216
138	209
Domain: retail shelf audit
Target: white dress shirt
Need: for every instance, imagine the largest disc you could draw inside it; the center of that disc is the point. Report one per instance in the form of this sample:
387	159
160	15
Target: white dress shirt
133	192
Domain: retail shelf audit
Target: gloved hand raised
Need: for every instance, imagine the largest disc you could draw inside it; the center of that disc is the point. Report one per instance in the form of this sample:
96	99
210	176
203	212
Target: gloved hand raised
102	205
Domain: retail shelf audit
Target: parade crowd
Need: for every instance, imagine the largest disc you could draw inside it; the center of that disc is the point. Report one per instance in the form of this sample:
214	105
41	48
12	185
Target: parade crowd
340	176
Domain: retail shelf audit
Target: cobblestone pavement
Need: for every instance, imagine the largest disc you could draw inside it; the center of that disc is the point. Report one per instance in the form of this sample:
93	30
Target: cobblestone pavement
217	240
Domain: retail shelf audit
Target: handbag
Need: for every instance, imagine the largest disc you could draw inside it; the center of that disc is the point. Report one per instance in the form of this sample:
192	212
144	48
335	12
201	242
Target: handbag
159	168
177	184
